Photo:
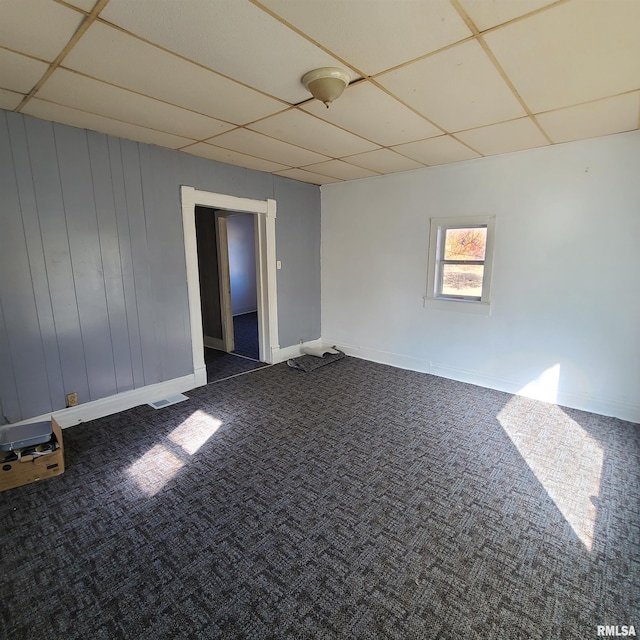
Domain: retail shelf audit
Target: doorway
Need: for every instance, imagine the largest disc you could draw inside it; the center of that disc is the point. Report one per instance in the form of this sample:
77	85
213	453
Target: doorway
265	256
226	244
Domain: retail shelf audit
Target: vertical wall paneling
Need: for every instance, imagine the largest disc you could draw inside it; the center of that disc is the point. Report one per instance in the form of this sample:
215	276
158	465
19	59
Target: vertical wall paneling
20	321
86	260
46	180
8	389
141	263
169	245
153	227
37	266
16	291
126	260
93	286
110	256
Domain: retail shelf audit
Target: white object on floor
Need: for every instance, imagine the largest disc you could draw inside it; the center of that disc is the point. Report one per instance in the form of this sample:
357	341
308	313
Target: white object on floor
160	404
319	352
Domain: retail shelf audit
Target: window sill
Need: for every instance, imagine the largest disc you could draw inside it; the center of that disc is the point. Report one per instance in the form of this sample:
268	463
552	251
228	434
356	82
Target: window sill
458	306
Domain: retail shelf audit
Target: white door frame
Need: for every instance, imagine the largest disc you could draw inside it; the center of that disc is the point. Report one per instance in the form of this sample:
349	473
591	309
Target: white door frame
265	212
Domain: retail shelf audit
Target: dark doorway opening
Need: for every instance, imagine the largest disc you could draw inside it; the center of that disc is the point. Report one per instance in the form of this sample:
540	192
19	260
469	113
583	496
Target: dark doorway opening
226	244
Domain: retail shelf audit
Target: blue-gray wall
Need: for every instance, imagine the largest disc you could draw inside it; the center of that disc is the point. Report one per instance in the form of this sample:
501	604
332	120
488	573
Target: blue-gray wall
242	263
93	293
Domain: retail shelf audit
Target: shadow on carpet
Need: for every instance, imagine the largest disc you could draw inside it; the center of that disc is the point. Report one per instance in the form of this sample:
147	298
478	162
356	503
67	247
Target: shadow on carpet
221	365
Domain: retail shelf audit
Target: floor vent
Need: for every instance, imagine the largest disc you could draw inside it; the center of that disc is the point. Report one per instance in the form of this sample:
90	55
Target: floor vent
165	402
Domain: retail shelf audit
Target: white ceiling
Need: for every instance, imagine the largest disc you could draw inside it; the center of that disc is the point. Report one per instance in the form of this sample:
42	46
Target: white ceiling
433	81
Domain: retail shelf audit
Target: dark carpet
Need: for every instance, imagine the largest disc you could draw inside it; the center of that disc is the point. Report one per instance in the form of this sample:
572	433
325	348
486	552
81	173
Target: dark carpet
355	501
245	335
221	365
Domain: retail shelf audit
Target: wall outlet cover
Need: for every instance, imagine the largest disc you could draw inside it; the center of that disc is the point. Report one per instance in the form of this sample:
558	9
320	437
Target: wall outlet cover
72	399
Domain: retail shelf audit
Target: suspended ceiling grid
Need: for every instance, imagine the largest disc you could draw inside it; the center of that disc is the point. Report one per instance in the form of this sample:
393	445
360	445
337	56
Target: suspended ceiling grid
432	81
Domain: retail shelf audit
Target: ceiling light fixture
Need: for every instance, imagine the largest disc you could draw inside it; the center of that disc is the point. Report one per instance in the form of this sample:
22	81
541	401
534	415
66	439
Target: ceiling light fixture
326	84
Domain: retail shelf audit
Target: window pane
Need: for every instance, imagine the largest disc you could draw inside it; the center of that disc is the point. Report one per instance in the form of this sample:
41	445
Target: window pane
462	280
465	244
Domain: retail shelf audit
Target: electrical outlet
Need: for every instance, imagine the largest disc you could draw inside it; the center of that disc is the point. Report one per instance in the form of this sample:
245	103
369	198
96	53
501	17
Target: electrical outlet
72	399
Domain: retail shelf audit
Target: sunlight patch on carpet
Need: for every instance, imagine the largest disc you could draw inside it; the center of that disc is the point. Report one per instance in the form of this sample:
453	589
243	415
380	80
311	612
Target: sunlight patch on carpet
564	457
195	431
154	469
162	462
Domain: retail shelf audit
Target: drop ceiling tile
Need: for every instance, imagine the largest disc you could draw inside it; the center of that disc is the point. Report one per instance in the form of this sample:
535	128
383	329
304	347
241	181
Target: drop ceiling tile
9	100
39	28
256	144
489	14
383	161
73	90
108	54
207	32
307	176
375	35
205	150
437	151
80	119
340	170
371	113
19	73
457	89
309	132
504	137
571	53
601	118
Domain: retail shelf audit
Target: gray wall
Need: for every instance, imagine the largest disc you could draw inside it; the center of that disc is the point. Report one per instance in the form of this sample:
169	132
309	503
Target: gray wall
93	294
242	263
298	248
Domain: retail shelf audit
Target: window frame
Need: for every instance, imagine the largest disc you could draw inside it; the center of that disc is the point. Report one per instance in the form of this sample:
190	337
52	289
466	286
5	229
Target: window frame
438	229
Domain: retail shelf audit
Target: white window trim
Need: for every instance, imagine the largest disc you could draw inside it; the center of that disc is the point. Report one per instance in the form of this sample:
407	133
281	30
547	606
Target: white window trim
433	301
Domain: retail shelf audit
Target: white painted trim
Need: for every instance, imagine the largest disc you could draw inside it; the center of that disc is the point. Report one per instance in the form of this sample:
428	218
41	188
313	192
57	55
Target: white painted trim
265	212
193	279
269	248
120	401
584	402
458	306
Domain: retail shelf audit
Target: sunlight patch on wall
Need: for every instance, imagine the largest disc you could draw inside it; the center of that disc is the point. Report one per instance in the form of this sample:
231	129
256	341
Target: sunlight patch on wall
544	387
194	431
162	462
565	459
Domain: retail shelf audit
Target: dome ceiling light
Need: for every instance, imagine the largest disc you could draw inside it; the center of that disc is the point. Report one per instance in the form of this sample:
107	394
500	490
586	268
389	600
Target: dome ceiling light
326	84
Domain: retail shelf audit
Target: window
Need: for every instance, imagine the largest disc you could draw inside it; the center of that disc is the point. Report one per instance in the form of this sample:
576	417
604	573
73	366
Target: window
460	259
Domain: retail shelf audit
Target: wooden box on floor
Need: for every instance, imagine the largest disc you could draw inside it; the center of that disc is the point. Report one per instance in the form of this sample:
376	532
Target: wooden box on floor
24	471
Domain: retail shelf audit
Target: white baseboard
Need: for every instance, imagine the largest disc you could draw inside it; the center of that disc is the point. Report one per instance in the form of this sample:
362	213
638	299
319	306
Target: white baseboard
150	393
122	401
584	402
